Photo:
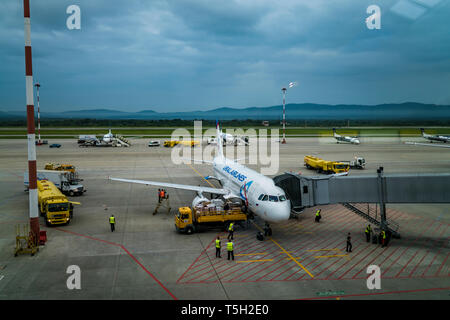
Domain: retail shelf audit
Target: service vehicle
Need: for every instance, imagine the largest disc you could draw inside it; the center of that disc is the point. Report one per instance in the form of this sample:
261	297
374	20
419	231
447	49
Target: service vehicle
63	167
55	145
208	215
53	205
356	163
173	143
324	166
154	143
61	179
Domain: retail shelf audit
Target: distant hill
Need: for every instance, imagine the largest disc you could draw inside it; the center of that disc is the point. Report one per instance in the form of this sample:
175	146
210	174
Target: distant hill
307	111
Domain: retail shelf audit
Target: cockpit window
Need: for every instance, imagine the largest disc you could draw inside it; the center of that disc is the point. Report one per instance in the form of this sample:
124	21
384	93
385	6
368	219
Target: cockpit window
282	198
273	198
260	197
265	197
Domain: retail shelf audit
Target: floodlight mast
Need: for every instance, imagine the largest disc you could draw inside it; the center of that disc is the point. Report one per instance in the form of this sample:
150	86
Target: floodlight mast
283	141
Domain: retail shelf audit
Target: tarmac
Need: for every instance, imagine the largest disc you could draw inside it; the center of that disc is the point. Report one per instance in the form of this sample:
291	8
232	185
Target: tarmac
145	258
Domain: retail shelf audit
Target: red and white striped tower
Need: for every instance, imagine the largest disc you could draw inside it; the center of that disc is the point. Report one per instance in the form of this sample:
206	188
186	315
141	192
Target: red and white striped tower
33	196
37	85
284	115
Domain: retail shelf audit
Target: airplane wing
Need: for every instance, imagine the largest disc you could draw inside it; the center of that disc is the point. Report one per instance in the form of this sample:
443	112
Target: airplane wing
428	144
175	185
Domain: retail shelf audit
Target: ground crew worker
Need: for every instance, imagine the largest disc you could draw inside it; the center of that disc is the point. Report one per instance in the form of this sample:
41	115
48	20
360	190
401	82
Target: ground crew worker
349	243
112	222
368	231
318	216
230	249
218	248
383	238
231	231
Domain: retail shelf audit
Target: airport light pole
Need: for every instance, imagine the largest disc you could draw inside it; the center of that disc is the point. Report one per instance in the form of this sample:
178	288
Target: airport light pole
283	141
37	85
31	130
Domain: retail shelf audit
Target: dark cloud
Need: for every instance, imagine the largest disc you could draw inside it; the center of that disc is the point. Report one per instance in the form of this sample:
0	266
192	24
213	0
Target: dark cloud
198	54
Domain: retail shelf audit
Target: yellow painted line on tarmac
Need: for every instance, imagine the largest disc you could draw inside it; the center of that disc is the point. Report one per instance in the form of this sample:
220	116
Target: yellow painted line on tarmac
251	254
324	250
249	261
332	256
289	255
201	175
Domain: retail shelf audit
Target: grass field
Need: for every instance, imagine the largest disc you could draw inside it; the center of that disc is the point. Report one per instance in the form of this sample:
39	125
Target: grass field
62	133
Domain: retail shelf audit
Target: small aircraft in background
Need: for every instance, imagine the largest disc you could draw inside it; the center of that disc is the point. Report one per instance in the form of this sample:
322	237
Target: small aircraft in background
339	138
229	139
432	138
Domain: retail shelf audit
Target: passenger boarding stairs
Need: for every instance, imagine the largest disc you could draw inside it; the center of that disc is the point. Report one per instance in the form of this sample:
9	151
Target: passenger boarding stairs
122	141
372	216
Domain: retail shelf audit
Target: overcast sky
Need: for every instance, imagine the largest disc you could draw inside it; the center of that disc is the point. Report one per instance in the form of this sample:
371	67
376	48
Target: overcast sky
177	55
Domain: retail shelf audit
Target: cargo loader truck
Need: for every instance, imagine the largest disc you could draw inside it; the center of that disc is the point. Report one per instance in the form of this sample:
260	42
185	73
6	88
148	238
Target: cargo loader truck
204	216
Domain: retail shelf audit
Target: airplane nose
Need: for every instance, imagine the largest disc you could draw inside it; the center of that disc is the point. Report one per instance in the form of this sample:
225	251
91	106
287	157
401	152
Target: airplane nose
282	212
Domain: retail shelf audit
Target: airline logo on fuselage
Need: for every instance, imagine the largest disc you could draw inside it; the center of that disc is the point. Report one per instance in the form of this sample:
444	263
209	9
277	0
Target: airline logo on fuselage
234	173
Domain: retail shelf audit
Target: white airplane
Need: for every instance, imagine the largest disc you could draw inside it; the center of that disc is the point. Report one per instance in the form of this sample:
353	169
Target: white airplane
229	139
339	138
260	194
432	138
109	137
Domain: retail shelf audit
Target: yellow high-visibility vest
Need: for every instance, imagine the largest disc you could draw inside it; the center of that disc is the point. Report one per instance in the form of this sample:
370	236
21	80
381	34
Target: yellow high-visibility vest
230	228
230	246
368	229
317	213
218	243
112	220
384	234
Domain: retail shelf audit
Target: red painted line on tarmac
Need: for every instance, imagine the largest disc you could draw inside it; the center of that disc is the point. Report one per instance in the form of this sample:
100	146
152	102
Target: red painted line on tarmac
349	220
413	270
333	239
376	293
437	272
129	254
268	266
148	272
376	257
385	271
410	259
340	267
435	256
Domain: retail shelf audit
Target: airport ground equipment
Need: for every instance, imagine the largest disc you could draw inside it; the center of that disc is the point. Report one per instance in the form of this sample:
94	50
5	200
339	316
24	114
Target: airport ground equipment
350	190
165	203
356	163
173	143
120	141
25	241
61	179
207	215
63	167
54	205
324	166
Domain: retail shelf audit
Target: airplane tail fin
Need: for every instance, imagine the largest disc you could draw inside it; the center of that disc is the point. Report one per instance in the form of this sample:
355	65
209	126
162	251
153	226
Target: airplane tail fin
334	132
219	141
